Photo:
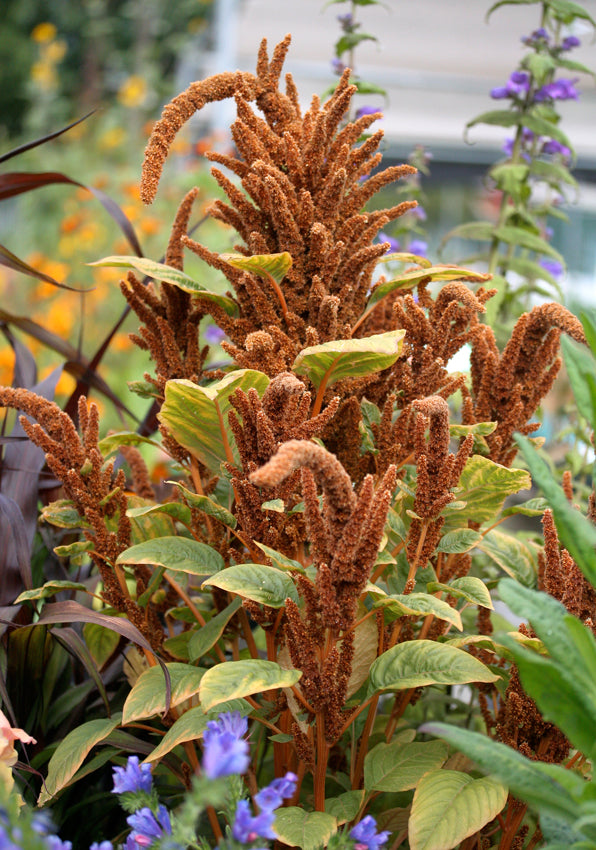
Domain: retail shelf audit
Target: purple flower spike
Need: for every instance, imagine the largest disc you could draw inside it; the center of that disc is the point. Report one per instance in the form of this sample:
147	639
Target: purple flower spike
346	21
213	335
517	85
552	146
286	786
552	267
366	836
146	827
539	35
103	845
271	797
562	89
418	247
393	243
225	751
133	777
247	828
368	110
570	42
55	843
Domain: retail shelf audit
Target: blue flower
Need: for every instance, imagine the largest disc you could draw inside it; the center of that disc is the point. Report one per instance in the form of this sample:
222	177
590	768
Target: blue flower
368	110
552	146
55	843
418	247
6	842
213	335
393	243
570	42
517	85
561	89
272	796
285	786
247	828
338	67
346	21
103	845
365	834
146	827
133	777
553	267
537	37
224	750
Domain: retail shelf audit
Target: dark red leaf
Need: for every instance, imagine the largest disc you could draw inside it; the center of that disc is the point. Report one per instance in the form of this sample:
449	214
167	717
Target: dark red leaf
11	261
29	145
77	647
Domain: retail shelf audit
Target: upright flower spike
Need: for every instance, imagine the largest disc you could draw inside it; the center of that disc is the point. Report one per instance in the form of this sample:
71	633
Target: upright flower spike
133	777
366	836
225	750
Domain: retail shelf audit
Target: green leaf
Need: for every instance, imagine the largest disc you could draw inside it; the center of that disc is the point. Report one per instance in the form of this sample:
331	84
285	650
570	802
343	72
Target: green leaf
525	239
349	358
581	371
480	231
275	505
62	514
197	417
159	271
511	554
191	726
577	534
207	636
588	320
533	507
459	540
530	269
485	485
112	442
265	585
207	505
279	560
50	588
264	265
345	806
470	588
148	696
74	550
101	642
399	767
234	679
416	663
507	118
539	65
510	3
350	40
71	753
449	806
180	554
569	10
409	279
308	830
176	510
510	178
423	604
552	172
548	788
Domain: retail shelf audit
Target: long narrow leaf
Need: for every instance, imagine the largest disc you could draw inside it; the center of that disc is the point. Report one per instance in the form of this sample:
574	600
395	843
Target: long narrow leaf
11	261
42	140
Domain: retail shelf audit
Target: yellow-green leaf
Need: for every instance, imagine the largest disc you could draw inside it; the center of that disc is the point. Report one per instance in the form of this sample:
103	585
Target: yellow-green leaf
470	588
234	679
180	554
308	830
420	603
197	417
207	505
50	588
168	274
484	485
148	696
264	265
399	767
410	279
449	806
349	358
512	555
416	663
262	584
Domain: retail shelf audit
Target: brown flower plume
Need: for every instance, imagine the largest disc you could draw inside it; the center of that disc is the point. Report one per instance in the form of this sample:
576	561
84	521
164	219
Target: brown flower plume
438	471
303	193
507	388
97	492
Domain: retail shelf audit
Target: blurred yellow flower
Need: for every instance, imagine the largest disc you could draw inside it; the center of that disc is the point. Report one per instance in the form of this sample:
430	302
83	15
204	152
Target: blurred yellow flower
6	365
58	319
111	138
66	384
44	75
54	51
43	32
133	91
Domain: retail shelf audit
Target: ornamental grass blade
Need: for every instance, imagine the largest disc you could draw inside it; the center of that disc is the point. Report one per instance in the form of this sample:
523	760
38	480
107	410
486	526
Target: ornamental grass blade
11	261
42	140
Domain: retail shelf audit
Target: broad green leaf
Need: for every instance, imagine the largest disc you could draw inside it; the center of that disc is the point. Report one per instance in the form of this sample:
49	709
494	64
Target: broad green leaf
399	767
265	585
470	588
308	830
511	554
191	726
459	540
588	320
235	679
71	753
423	604
101	642
581	371
207	505
349	358
148	696
176	510
112	442
546	787
264	265
410	279
484	485
576	533
567	10
168	274
480	429
74	550
507	118
62	514
207	636
404	257
533	507
539	65
275	505
50	588
510	178
180	554
416	663
552	172
197	417
280	561
449	806
146	526
525	239
345	806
